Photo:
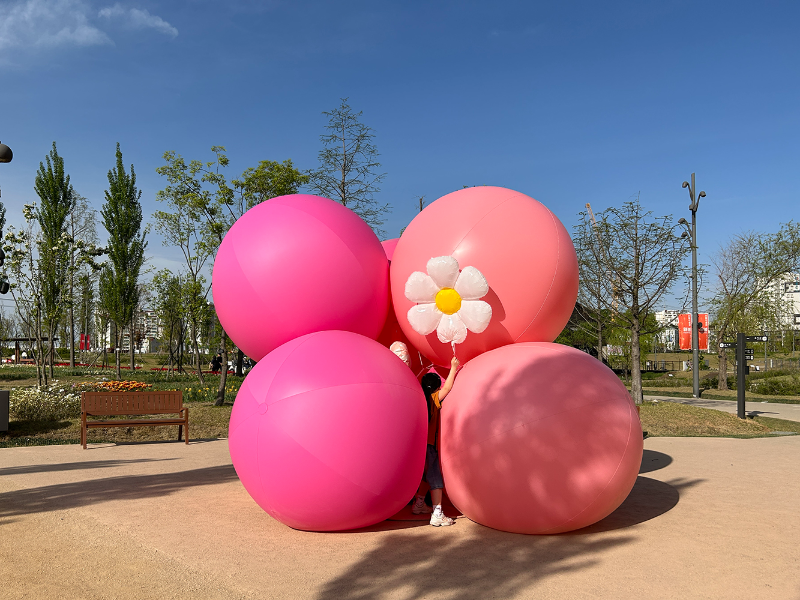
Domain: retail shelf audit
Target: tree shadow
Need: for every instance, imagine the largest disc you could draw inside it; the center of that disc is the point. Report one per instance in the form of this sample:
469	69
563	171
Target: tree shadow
653	461
130	487
75	466
490	564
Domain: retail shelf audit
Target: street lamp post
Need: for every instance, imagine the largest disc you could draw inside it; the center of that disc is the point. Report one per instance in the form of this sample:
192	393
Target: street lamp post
692	234
5	157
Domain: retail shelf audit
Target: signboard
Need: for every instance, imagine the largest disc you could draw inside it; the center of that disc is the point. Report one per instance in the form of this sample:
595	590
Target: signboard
755	338
685	331
748	353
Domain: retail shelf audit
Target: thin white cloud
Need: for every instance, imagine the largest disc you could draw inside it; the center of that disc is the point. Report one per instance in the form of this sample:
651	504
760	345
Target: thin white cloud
48	23
138	19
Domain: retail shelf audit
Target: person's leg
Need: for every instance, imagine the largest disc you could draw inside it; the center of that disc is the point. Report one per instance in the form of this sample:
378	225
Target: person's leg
434	476
419	507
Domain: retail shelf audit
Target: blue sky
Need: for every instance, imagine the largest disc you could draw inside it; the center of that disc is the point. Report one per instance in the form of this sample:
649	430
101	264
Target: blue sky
569	102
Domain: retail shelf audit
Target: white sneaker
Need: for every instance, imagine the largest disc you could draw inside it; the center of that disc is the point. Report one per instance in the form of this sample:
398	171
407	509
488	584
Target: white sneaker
439	519
420	508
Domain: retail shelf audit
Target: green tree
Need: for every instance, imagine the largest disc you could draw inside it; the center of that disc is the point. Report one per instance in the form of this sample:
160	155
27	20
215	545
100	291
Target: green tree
348	171
119	278
745	270
641	258
202	208
57	197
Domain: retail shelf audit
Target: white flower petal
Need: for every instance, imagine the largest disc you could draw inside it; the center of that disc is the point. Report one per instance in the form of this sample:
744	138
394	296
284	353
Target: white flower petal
451	329
476	315
424	318
471	284
420	288
443	270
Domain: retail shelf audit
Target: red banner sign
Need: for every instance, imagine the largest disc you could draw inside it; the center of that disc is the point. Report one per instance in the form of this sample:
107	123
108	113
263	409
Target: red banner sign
685	331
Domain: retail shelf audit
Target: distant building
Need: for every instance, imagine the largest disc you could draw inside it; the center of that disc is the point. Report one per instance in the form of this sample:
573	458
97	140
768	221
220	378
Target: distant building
668	336
787	292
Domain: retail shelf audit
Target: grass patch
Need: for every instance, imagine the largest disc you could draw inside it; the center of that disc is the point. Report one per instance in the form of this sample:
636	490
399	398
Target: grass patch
206	421
719	395
671	419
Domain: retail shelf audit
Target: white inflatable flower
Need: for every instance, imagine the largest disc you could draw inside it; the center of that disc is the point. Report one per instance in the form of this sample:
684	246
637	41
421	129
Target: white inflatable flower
448	301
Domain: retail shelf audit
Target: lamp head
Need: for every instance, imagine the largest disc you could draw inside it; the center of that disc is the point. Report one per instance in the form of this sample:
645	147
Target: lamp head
5	154
682	221
702	195
685	184
685	234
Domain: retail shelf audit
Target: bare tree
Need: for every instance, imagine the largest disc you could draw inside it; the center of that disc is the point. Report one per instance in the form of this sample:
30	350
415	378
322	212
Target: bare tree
348	171
745	270
632	259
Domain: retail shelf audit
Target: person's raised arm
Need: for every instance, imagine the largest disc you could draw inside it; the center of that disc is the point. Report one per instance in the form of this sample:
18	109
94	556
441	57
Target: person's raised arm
451	377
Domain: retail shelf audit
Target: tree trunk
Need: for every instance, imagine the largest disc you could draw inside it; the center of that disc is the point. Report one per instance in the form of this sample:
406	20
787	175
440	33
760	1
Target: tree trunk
223	378
636	366
117	352
722	376
197	354
71	335
133	335
52	350
239	363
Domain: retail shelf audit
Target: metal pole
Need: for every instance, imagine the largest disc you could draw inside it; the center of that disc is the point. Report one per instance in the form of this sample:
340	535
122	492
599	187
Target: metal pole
740	369
695	334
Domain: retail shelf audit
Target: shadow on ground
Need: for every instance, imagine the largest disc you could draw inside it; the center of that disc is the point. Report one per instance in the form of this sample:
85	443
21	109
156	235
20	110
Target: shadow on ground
74	466
491	564
653	461
649	498
84	493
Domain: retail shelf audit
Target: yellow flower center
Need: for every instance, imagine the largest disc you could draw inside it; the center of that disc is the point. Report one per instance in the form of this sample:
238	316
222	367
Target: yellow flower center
448	301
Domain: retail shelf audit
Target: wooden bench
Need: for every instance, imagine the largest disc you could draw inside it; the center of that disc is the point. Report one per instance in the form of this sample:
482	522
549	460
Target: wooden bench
106	404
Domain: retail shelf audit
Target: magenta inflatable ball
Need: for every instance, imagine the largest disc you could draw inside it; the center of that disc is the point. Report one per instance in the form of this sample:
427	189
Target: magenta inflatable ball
328	432
295	265
520	247
539	438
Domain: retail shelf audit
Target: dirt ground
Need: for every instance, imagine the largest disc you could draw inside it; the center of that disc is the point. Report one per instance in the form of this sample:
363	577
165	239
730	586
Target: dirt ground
707	518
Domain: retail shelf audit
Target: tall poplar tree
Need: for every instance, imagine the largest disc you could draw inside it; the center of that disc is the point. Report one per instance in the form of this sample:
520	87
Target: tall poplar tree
122	218
57	202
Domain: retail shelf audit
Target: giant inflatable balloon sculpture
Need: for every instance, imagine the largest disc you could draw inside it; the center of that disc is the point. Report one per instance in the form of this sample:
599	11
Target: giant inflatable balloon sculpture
328	431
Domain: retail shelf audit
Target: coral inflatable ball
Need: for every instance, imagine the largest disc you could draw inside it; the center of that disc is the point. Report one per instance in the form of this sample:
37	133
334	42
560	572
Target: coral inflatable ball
328	432
539	438
295	265
522	249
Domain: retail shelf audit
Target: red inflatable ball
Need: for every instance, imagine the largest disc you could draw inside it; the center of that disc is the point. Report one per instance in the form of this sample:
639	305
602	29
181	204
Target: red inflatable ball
328	432
295	265
521	248
539	438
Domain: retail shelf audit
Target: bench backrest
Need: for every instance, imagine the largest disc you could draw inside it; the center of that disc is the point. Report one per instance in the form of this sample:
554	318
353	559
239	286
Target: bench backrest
131	403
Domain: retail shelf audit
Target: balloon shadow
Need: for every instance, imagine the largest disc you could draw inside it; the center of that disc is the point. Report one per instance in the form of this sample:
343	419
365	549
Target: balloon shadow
653	461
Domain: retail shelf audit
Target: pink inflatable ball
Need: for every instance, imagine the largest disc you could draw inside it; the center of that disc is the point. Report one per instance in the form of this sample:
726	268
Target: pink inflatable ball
392	332
539	438
389	246
328	432
521	248
295	265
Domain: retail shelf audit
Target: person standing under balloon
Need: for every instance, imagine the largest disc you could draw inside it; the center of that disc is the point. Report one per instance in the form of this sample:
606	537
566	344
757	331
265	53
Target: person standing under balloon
435	393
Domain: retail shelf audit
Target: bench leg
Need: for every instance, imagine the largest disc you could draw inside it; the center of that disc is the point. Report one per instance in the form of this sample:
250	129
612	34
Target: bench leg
180	432
83	431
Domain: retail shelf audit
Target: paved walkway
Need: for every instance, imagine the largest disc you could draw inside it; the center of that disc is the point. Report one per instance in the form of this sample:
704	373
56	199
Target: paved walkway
707	518
790	412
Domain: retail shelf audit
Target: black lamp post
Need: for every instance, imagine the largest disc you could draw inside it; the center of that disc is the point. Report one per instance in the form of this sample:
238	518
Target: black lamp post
692	234
5	157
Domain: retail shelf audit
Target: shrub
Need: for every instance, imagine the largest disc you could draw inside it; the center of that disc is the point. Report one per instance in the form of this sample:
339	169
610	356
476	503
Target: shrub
54	403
